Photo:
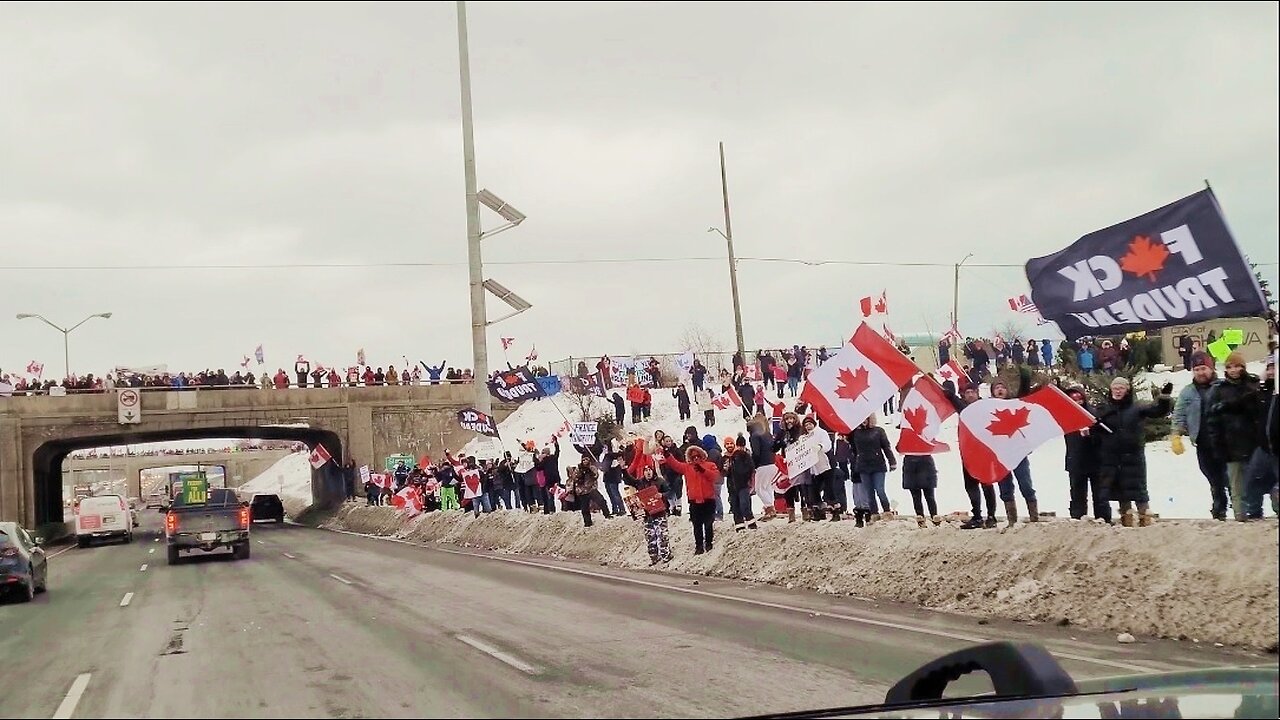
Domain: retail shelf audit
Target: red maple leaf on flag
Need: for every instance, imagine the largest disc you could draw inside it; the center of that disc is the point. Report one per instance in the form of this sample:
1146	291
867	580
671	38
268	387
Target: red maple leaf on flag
917	418
1007	421
853	384
882	305
1144	257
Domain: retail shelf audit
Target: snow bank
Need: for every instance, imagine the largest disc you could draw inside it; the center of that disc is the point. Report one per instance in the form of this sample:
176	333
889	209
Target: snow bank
289	477
1177	488
1206	580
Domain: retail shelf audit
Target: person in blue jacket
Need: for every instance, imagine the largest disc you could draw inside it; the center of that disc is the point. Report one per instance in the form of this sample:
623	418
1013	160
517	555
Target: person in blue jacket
433	372
1046	353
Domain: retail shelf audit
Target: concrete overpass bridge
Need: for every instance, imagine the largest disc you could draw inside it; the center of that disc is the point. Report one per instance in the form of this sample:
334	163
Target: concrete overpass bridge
239	467
365	424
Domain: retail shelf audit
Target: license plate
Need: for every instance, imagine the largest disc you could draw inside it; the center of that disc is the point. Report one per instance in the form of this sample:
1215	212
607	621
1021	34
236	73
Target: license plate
208	536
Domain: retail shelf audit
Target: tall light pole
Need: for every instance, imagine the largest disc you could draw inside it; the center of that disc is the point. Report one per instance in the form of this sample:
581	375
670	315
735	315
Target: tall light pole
733	261
479	320
955	292
66	332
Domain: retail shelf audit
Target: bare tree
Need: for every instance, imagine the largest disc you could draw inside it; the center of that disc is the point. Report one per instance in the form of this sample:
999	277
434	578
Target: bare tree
585	404
700	340
1010	330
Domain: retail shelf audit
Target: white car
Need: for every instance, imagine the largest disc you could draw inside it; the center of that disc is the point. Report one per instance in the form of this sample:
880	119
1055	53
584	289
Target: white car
103	517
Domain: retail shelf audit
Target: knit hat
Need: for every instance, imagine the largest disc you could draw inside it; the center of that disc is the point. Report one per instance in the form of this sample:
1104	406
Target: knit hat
1235	358
1201	357
1120	380
729	441
809	420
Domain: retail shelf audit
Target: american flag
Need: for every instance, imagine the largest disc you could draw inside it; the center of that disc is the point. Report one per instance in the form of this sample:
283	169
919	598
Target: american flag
1023	304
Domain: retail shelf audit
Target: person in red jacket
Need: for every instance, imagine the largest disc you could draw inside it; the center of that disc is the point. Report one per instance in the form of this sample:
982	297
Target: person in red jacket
635	396
700	477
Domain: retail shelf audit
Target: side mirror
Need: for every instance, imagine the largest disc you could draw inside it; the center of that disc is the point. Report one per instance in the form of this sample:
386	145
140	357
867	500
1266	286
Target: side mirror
39	540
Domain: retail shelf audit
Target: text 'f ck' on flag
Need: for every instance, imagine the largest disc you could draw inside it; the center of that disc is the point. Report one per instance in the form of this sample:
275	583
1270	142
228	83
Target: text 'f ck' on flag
1175	265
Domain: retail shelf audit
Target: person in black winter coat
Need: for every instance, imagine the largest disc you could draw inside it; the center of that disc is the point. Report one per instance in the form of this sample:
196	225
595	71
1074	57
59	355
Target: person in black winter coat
549	464
747	392
1122	452
873	458
976	491
1233	419
1082	468
682	402
619	409
739	471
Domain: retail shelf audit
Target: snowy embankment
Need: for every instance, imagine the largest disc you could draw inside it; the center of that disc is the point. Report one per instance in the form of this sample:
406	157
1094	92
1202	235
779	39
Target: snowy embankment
290	478
1201	580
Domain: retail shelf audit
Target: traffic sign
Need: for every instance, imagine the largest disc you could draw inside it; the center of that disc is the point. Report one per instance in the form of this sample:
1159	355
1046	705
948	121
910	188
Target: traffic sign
128	406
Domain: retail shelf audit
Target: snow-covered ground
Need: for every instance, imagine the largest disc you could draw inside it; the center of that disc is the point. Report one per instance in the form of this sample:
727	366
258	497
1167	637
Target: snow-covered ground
289	477
1177	488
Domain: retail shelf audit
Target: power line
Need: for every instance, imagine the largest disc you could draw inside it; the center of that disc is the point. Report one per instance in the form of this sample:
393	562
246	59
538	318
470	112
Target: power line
553	261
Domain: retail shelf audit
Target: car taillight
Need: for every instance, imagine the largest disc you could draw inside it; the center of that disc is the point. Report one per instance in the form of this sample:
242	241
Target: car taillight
244	517
9	552
170	523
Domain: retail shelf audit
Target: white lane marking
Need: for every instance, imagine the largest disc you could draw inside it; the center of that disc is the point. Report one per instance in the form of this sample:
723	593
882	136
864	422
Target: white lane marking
261	543
152	550
155	539
759	603
497	654
54	555
290	556
124	602
143	568
342	580
68	705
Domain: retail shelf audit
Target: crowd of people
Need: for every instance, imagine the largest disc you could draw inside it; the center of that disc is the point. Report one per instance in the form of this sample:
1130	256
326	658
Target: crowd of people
1231	420
304	375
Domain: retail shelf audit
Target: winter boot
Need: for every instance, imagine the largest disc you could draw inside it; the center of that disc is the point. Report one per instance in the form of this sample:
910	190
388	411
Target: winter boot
1011	512
1146	519
858	520
972	523
791	514
806	514
1128	518
875	517
936	520
989	523
920	521
835	514
1033	511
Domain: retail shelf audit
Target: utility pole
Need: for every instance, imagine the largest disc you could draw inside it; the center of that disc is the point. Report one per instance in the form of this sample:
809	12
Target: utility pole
733	261
479	318
955	292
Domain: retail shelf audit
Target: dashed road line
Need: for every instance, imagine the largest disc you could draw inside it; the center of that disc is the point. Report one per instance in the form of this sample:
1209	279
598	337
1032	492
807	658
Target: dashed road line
291	557
68	705
143	568
340	579
499	655
128	598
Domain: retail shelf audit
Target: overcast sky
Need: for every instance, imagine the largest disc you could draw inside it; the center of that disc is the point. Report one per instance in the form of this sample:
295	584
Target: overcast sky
330	133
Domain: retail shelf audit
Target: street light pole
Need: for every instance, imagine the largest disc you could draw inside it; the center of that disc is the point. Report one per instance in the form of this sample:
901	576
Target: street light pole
955	292
733	261
479	319
66	335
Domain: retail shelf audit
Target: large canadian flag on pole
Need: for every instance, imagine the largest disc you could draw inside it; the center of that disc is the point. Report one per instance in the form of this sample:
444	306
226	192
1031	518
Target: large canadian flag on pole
409	499
995	434
874	306
727	399
923	410
857	381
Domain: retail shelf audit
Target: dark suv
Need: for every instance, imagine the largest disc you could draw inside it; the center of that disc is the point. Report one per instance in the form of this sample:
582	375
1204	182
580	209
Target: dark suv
266	507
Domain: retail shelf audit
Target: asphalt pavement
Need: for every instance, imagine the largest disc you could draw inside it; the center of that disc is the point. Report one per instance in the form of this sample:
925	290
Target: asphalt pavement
324	624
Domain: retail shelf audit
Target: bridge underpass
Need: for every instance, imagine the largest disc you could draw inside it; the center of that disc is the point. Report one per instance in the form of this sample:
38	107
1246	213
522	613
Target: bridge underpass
238	467
365	424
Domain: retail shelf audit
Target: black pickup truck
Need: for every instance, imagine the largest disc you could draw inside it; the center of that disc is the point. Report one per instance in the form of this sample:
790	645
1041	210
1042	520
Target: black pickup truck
220	522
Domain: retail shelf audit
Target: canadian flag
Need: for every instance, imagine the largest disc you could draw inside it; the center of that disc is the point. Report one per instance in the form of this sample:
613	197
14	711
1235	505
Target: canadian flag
359	356
996	434
409	499
875	306
245	362
953	372
35	368
923	410
319	456
856	381
752	372
727	399
533	353
506	343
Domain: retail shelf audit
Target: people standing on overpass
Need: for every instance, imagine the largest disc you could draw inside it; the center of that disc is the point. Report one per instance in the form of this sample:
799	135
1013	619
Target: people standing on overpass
302	368
379	377
433	373
334	379
368	377
281	380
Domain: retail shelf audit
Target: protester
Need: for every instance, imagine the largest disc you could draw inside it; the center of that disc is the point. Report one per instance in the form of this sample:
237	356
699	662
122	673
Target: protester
1022	471
872	458
700	476
1234	415
1083	469
1190	419
586	490
1122	451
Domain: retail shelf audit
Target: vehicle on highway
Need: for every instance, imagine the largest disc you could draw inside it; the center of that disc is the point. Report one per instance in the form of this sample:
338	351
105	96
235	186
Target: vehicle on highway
221	521
156	501
24	569
266	506
1028	682
103	517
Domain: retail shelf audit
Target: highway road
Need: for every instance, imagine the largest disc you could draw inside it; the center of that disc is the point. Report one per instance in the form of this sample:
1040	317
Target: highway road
322	624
